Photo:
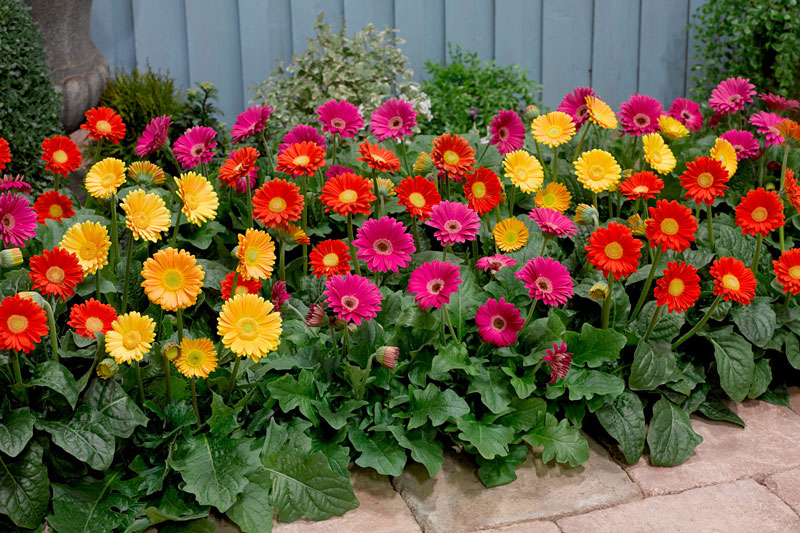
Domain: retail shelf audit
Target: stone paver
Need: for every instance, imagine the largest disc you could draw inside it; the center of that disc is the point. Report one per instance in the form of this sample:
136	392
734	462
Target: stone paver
767	444
794	399
742	506
524	527
787	486
455	500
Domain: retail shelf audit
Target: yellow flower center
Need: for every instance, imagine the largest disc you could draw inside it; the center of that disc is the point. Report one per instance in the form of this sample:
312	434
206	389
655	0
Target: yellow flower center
247	328
301	160
251	255
241	289
87	251
641	189
705	180
131	339
190	201
794	272
195	358
93	324
330	260
669	226
348	196
554	131
277	205
379	159
676	287
450	157
108	179
759	214
54	274
479	189
102	126
511	237
613	250
731	282
17	324
521	173
56	211
416	199
140	219
597	172
655	157
173	279
549	200
60	157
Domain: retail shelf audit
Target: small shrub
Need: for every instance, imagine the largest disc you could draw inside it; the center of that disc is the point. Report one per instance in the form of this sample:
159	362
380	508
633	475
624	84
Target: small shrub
200	109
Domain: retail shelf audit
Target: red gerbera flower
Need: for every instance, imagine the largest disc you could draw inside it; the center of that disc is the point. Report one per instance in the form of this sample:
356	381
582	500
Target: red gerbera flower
330	258
56	272
643	184
792	188
90	317
61	155
418	195
614	250
5	154
243	286
23	323
787	270
760	212
378	158
453	155
104	123
483	190
733	280
671	226
301	158
347	194
54	205
278	202
679	289
240	166
705	178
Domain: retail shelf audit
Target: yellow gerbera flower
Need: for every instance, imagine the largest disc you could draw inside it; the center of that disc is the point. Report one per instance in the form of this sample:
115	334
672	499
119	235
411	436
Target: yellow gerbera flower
657	153
385	185
423	164
89	241
600	113
172	279
200	201
554	196
105	177
198	358
671	128
597	170
146	173
131	337
524	170
553	129
510	234
248	326
724	152
146	215
256	254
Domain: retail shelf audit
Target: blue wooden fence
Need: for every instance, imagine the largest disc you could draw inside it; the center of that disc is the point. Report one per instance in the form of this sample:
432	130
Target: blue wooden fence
617	46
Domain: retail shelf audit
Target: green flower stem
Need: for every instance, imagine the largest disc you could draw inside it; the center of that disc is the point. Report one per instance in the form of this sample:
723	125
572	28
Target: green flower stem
754	266
126	282
166	147
636	205
232	379
762	170
346	339
700	324
497	215
783	178
594	201
250	201
96	156
475	252
607	304
555	164
97	284
711	229
98	356
175	231
51	319
114	233
449	322
15	366
268	151
194	404
483	153
541	161
139	382
415	232
305	228
610	205
405	155
235	281
652	325
56	182
544	245
511	199
350	242
647	284
335	344
787	300
334	149
696	211
282	261
362	385
530	314
586	127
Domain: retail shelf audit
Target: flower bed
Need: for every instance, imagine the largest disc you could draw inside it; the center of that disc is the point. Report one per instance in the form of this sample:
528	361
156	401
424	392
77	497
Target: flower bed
229	333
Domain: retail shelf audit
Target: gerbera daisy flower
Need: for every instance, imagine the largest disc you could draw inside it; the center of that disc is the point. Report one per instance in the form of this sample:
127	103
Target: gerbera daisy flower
278	202
384	244
687	112
340	118
353	298
553	196
256	254
301	159
23	323
495	263
760	212
723	152
597	170
90	243
378	158
508	132
454	222
385	187
154	136
553	129
601	113
498	322
251	121
614	250
239	168
91	316
55	272
574	105
15	183
243	286
510	234
733	280
292	233
249	327
743	142
418	195
552	222
679	289
338	170
671	226
704	179
316	316
731	95
423	165
586	215
200	200
131	336
778	102
104	123
195	146
348	194
198	358
639	114
105	177
17	219
433	283
145	173
146	215
172	279
5	154
453	155
300	133
61	155
657	154
279	295
671	128
524	170
483	190
789	130
787	271
547	280
767	123
637	225
792	189
331	257
10	257
393	119
642	184
560	361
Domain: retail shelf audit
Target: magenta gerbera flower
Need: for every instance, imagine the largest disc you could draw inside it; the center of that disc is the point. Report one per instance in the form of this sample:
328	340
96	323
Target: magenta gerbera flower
300	133
778	102
433	283
494	263
195	146
279	295
559	360
552	222
154	136
508	132
639	115
687	112
767	123
498	322
338	170
393	119
353	298
454	222
253	120
731	95
743	142
384	244
15	183
574	105
17	219
547	280
340	118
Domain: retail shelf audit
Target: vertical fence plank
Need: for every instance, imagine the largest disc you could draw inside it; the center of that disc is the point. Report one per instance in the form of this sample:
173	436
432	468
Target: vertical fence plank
304	14
615	50
160	37
694	5
566	48
421	24
470	24
265	37
359	13
662	52
518	35
103	31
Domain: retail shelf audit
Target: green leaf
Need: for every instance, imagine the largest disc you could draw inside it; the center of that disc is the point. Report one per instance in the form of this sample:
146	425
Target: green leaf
253	511
451	356
434	405
653	365
214	273
174	507
24	488
715	409
55	376
792	349
380	451
343	414
582	383
425	448
493	387
734	357
670	437
523	385
119	413
489	439
223	418
762	377
524	414
502	470
756	321
84	437
465	301
291	393
16	430
92	505
624	420
668	325
595	346
559	440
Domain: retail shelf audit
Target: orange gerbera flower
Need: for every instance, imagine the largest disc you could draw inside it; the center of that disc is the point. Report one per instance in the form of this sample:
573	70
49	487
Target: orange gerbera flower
61	155
792	188
54	205
614	250
56	272
733	280
238	167
789	130
760	212
277	202
23	323
378	158
418	195
347	194
642	184
671	226
453	155
704	179
293	233
90	317
483	190
679	289
330	258
243	286
301	158
787	270
104	123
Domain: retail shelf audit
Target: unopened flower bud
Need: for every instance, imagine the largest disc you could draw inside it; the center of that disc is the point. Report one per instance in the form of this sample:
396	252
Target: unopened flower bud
627	173
316	316
771	187
35	296
599	291
531	112
337	323
10	257
107	368
636	224
586	215
387	356
171	351
423	165
774	166
351	327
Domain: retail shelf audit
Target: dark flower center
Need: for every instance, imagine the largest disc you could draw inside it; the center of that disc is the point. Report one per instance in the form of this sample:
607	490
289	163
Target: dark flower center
641	120
686	115
452	226
395	123
338	123
435	286
198	149
350	302
8	221
544	284
734	98
502	134
383	246
581	112
498	323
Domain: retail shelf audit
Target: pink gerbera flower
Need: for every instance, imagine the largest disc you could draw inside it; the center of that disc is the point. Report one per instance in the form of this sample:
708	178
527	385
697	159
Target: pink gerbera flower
340	118
547	280
743	142
393	119
731	95
154	136
279	295
253	120
767	123
508	132
353	298
301	133
17	219
498	322
687	112
639	115
574	105
195	146
454	222
494	263
433	283
338	170
778	102
15	183
384	244
553	223
559	360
